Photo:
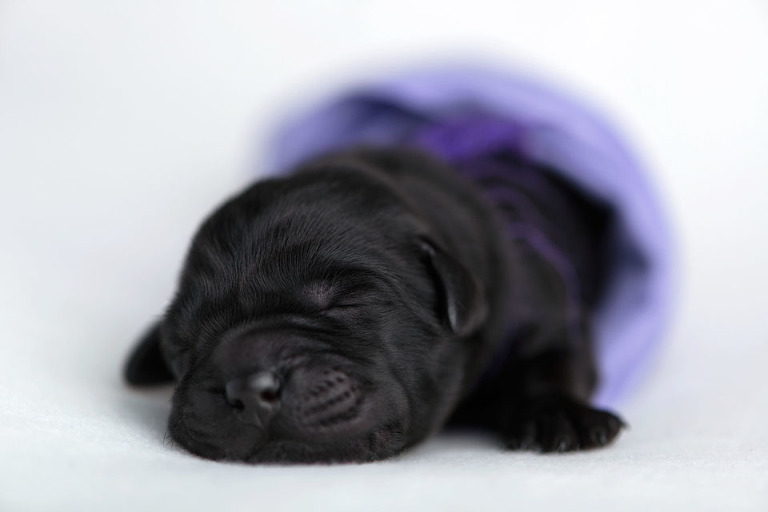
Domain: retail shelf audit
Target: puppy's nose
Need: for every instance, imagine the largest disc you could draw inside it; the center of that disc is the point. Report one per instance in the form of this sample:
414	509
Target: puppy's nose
256	396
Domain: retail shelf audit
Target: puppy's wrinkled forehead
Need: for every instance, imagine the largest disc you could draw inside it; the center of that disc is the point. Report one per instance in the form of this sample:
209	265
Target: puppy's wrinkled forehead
303	235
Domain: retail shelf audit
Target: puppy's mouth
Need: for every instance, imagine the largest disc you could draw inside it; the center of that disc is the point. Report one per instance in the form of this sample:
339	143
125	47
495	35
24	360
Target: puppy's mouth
310	415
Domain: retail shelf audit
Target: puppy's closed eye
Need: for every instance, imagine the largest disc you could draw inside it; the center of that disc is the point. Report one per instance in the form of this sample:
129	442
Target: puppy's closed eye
320	295
330	297
345	290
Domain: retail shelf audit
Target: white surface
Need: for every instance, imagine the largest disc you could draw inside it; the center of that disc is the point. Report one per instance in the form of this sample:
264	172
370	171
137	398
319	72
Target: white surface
123	123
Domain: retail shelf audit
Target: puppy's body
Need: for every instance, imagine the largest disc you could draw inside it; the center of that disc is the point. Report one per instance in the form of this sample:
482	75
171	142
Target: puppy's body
344	312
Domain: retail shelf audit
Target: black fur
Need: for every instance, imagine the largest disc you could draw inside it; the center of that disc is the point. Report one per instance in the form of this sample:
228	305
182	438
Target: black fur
377	290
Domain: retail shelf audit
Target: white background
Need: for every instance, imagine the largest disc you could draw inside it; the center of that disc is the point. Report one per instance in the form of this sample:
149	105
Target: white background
123	123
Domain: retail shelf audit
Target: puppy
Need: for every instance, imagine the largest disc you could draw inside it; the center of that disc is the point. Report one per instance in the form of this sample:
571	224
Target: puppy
348	311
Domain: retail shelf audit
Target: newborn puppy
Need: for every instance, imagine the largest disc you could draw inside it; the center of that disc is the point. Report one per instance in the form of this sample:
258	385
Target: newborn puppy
349	310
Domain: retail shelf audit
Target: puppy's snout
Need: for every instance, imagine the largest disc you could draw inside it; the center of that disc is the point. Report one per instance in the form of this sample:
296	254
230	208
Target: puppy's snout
256	396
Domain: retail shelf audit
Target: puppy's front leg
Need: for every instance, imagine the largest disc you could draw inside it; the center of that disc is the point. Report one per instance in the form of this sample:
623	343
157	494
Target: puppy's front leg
544	405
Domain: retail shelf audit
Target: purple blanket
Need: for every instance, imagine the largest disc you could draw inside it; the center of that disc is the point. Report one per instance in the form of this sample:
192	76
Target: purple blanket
463	113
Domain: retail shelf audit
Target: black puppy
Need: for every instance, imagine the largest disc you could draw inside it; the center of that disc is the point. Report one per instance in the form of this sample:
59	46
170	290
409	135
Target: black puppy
348	311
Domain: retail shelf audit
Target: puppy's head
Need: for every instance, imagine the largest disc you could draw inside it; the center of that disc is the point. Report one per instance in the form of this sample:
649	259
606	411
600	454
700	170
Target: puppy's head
317	319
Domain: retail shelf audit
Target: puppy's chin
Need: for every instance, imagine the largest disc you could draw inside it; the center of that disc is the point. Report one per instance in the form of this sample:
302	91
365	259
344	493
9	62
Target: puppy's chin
377	445
230	440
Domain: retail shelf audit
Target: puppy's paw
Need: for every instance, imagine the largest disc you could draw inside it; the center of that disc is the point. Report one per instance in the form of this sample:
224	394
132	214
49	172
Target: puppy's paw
558	424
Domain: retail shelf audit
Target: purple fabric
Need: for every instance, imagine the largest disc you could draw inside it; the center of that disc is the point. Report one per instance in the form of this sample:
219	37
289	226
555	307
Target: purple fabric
461	113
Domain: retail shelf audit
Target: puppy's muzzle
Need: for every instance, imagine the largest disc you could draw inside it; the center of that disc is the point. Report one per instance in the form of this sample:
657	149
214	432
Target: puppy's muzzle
319	401
263	393
288	387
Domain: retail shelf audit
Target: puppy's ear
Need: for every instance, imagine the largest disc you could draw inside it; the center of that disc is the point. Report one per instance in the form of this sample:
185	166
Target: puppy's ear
146	366
462	302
